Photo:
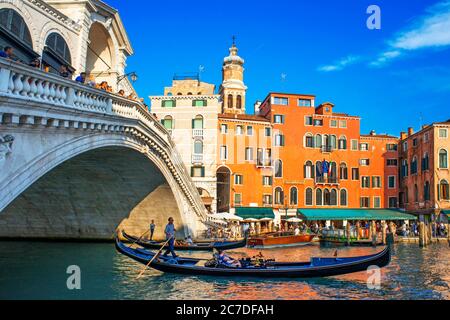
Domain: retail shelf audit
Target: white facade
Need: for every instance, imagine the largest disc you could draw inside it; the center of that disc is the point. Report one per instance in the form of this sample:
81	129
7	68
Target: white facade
79	23
194	131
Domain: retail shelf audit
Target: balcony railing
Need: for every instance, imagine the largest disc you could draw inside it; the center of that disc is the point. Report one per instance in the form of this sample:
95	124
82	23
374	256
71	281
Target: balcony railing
263	163
197	158
326	149
197	133
328	180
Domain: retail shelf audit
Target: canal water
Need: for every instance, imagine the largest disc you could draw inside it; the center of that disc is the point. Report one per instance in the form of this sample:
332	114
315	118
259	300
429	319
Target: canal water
37	270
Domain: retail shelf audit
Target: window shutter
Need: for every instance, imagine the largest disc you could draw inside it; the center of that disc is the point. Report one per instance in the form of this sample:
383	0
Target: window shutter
203	172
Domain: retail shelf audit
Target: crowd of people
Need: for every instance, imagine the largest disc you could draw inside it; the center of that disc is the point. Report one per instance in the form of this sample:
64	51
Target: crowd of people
64	72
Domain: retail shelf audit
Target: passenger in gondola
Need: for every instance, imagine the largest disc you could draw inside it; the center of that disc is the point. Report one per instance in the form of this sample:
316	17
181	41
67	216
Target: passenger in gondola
224	259
189	241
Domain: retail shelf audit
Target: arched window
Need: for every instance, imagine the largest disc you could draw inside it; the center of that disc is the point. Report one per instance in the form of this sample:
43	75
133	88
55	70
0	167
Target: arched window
416	193
425	162
189	93
343	171
343	197
318	141
309	140
278	168
414	165
333	142
444	190
326	197
319	173
333	170
197	122
167	122
333	197
198	147
238	102
58	45
319	200
309	170
230	101
293	196
426	191
279	196
179	94
199	93
14	23
309	197
342	143
443	159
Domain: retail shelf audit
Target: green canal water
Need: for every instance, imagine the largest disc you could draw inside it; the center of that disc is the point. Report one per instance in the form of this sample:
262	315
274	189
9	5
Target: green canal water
36	270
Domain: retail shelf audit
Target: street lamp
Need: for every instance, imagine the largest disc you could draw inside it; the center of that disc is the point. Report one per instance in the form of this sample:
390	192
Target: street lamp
133	77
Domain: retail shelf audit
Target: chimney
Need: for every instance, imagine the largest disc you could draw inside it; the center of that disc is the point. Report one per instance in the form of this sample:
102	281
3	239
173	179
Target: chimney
410	131
403	135
256	106
373	133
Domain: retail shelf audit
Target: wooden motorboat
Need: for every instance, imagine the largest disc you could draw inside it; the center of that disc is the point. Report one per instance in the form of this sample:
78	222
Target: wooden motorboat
316	267
197	246
280	239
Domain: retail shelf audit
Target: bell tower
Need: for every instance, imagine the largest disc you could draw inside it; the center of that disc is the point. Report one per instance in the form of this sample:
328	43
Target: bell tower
233	89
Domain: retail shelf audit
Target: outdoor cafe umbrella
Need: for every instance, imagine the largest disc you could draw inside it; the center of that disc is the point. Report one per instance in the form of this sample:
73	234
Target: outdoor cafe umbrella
294	220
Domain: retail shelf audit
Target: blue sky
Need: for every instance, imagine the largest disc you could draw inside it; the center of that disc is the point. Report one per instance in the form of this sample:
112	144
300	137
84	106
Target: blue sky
393	78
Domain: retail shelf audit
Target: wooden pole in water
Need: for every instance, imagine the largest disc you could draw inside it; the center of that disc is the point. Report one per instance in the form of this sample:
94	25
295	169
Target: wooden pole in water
348	230
358	230
422	234
374	233
383	230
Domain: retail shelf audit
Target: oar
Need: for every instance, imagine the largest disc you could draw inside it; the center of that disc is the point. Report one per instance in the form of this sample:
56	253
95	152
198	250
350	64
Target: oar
138	238
154	257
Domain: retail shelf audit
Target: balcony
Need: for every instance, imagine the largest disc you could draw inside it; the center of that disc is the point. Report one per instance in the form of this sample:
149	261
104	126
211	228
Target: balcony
264	163
197	158
326	149
327	181
197	133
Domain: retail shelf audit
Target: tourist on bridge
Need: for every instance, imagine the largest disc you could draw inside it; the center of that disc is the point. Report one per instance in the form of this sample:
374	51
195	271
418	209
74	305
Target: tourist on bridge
7	53
81	78
170	235
152	229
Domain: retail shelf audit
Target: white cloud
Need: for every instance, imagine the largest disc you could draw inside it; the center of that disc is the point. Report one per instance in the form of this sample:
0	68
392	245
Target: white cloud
432	30
339	65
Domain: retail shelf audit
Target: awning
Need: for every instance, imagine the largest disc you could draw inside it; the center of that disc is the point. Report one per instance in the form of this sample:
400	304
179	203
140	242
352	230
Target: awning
446	212
354	214
255	212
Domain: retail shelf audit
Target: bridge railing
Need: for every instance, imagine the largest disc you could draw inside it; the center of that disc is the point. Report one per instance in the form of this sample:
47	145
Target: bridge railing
23	82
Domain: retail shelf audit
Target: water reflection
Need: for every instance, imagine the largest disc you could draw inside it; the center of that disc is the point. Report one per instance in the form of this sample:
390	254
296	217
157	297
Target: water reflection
414	273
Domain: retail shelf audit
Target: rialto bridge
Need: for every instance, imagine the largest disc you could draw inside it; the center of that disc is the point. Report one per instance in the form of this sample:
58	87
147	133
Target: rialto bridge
77	162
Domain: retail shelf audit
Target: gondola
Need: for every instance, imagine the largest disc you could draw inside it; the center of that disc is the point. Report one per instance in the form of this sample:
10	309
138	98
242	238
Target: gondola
316	267
198	246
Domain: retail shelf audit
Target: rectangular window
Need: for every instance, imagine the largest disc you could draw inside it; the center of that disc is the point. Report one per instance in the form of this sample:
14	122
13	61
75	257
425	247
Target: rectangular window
267	199
264	157
443	133
223	129
318	122
199	103
248	154
249	130
309	141
376	182
365	182
365	202
364	147
354	145
355	173
308	121
405	146
304	102
391	182
279	140
391	147
278	118
415	142
425	137
333	123
364	162
376	202
237	199
280	101
223	153
392	162
267	132
343	124
198	172
239	130
168	103
238	179
267	180
392	202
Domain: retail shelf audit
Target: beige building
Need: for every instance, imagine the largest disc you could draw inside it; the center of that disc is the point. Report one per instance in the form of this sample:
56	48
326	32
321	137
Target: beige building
189	111
425	169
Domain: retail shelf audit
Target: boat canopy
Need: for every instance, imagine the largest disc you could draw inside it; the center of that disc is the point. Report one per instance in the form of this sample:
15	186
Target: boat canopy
255	213
354	214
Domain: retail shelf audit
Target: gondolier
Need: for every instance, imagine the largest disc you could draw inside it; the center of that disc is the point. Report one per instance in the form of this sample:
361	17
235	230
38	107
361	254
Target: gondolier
170	235
152	229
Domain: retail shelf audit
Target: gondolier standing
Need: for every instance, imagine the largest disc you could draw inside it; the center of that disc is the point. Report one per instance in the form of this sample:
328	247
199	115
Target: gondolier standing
152	229
170	235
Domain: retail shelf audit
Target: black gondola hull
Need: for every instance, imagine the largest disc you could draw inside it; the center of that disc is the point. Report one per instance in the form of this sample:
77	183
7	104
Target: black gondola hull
326	267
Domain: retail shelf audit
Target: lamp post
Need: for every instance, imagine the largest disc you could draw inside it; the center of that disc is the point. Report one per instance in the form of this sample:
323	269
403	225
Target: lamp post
133	77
